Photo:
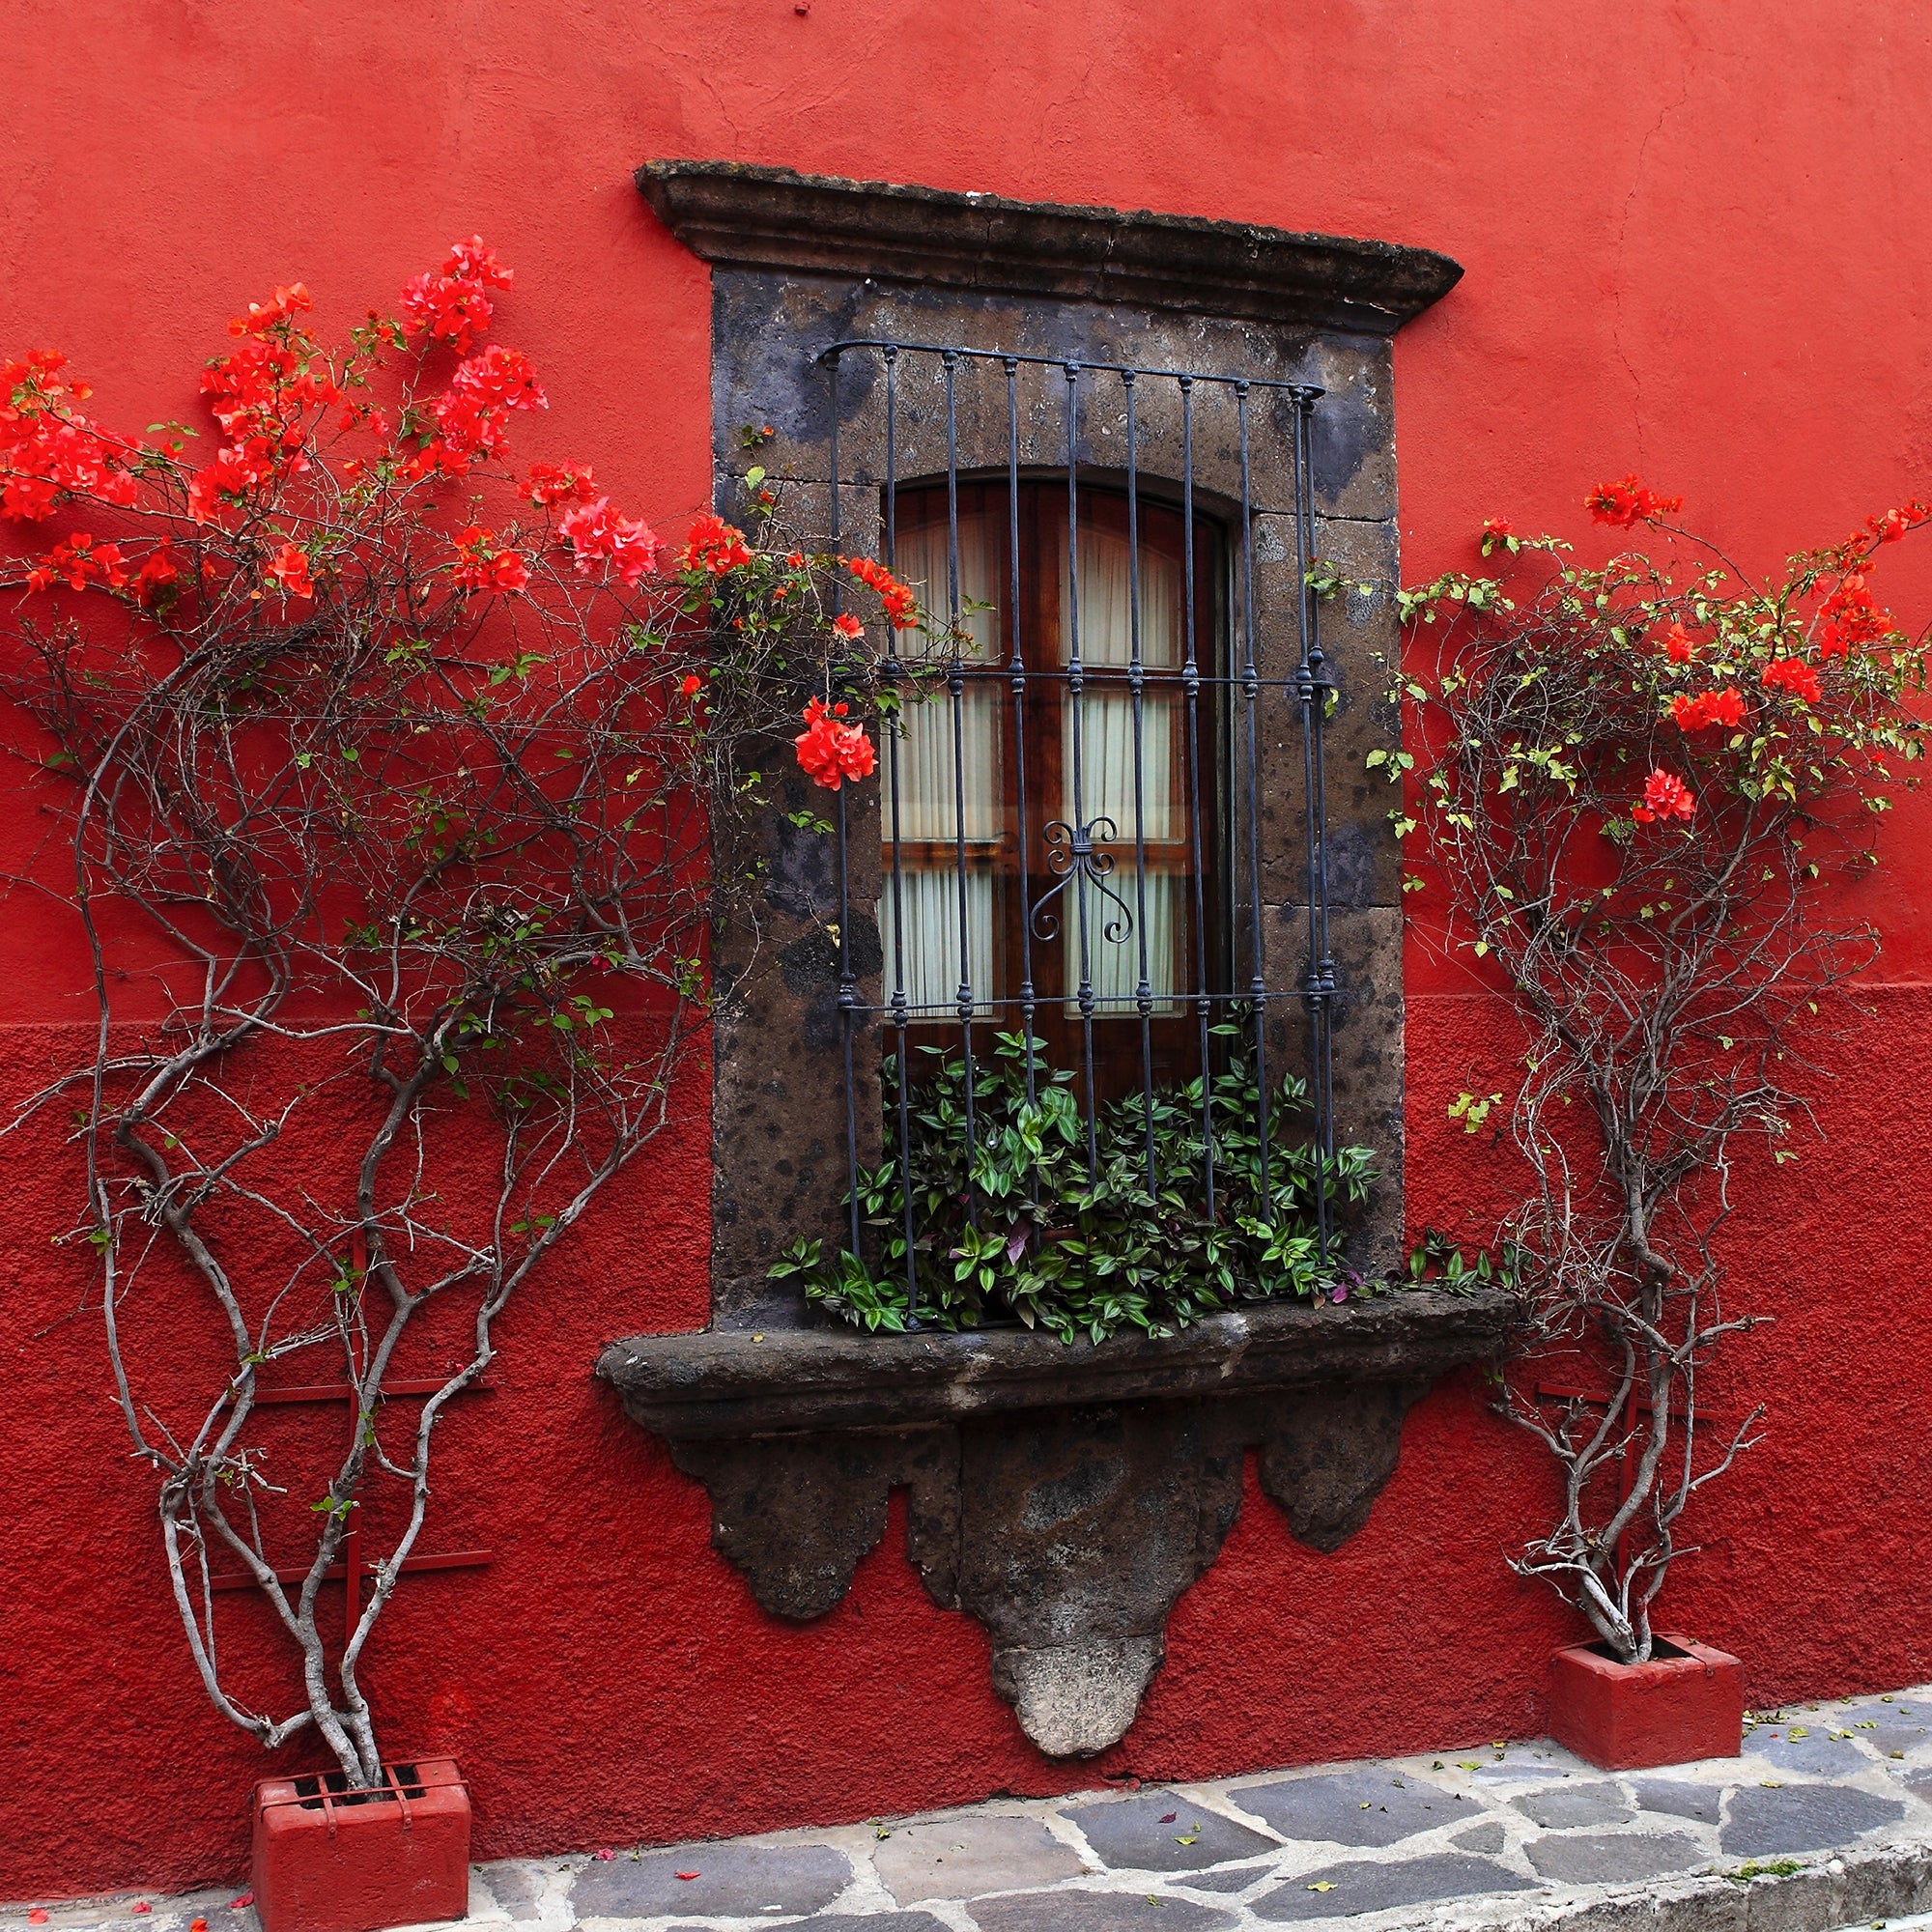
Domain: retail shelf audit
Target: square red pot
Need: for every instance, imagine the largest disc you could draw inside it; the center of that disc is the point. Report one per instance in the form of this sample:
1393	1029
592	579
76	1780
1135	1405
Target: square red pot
1687	1702
331	1860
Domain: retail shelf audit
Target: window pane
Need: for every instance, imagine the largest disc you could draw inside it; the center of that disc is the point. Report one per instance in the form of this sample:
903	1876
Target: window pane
931	960
929	802
1106	627
1114	943
1106	798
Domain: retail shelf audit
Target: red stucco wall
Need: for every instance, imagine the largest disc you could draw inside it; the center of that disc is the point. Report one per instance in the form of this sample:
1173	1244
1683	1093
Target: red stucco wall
1694	245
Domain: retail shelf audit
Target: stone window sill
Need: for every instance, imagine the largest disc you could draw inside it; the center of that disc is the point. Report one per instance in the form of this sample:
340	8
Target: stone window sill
740	1383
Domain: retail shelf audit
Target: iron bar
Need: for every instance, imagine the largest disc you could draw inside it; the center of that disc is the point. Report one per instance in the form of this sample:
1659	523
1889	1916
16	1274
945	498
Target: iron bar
1204	1005
1319	982
895	674
1251	689
955	686
848	985
1082	832
1142	990
1018	675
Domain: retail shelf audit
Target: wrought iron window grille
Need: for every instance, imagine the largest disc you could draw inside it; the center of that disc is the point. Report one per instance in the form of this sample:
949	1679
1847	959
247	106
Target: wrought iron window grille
1068	867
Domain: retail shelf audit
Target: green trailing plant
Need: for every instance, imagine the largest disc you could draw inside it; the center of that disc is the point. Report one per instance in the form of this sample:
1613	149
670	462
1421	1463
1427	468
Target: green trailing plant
1037	1227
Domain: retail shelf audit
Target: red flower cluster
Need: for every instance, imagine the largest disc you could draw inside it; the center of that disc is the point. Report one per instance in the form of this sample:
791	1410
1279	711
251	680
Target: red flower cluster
848	626
1851	616
263	389
1792	674
829	751
78	564
901	607
454	306
1707	707
714	547
481	566
279	308
1665	796
1883	529
289	567
595	530
237	468
470	416
558	483
48	454
159	570
1679	646
260	395
1627	501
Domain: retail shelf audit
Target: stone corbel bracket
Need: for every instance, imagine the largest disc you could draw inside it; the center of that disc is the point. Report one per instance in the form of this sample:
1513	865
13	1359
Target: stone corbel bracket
1063	1496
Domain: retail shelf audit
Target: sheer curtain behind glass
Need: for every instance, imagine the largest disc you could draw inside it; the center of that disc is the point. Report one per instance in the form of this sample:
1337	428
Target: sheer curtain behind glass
934	792
1155	909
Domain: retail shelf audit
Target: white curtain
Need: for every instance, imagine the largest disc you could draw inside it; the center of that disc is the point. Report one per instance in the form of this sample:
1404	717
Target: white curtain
932	955
1107	789
939	798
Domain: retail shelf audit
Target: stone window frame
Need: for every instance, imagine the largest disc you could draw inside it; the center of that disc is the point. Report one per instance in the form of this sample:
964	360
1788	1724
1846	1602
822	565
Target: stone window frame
799	262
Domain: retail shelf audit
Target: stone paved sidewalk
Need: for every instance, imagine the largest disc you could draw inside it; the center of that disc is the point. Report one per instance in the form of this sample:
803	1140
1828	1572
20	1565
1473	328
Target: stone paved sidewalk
1826	1818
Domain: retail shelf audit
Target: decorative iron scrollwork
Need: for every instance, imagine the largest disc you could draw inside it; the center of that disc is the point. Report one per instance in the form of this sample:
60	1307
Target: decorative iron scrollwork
1080	852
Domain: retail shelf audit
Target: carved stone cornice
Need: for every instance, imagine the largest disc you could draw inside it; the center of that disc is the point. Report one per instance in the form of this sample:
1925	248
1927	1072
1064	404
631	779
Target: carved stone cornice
757	217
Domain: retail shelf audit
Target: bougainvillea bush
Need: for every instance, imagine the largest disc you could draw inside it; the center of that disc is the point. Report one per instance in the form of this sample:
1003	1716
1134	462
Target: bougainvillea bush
1636	785
394	767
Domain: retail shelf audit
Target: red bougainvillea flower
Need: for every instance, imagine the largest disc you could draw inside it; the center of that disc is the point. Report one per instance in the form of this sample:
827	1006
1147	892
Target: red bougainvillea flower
499	378
691	685
237	470
1665	796
474	260
454	306
595	530
49	454
1679	646
1792	674
481	566
78	564
160	569
1851	616
558	483
1627	501
1707	707
289	567
714	547
1883	529
901	607
830	750
848	626
279	308
1497	530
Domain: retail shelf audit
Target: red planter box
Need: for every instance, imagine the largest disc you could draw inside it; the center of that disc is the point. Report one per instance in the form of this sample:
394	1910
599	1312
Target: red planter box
1687	1702
331	1859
